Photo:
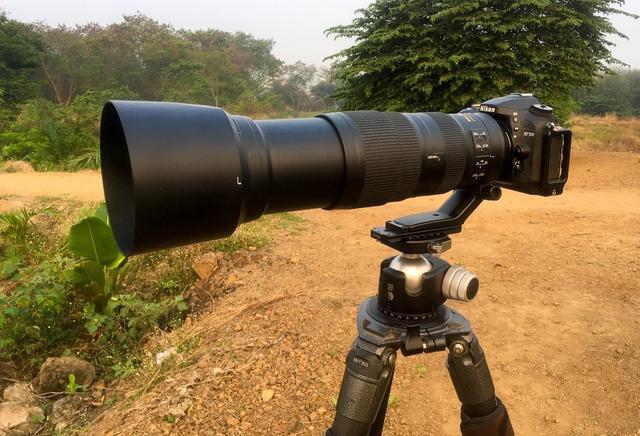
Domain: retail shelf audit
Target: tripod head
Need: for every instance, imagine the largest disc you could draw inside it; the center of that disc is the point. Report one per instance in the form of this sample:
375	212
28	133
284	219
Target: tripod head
429	232
414	284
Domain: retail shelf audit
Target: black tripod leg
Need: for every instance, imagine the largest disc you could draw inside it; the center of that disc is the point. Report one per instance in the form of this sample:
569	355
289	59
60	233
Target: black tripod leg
364	393
482	414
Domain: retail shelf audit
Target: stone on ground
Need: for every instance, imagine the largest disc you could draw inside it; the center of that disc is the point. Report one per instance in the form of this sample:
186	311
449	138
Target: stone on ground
17	166
19	392
54	373
206	265
20	417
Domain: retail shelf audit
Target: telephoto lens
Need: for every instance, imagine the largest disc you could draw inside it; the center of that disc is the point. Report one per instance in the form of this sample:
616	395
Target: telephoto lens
176	174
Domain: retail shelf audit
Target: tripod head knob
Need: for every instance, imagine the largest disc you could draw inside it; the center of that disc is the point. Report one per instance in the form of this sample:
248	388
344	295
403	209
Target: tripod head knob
460	284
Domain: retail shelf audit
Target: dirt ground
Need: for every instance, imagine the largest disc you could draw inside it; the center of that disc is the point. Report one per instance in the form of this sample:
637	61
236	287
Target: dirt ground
558	314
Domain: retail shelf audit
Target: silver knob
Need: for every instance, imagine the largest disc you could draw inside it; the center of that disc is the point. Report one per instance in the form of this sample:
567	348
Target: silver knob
460	284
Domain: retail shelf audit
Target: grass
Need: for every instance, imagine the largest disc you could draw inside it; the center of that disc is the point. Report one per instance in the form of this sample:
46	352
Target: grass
606	133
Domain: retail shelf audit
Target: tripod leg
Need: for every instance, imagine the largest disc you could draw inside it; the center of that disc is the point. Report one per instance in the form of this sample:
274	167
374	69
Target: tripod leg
482	414
364	393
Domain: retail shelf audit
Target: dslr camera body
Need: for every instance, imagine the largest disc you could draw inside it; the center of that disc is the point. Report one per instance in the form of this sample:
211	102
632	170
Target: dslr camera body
539	163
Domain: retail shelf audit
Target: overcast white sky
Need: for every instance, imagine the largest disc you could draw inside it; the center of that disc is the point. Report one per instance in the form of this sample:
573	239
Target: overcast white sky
297	26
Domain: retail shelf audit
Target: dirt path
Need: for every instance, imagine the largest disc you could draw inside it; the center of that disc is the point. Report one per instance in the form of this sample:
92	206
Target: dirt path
17	187
558	315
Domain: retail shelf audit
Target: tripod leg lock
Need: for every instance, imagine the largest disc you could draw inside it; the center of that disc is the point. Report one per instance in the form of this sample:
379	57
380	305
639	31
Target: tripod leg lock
483	414
470	373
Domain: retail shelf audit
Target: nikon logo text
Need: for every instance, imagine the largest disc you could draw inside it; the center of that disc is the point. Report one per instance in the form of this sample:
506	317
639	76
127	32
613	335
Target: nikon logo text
489	109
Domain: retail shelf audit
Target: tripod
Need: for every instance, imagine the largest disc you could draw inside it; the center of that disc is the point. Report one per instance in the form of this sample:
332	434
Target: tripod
409	315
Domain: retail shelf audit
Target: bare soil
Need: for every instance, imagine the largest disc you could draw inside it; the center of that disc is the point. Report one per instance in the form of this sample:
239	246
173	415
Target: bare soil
558	315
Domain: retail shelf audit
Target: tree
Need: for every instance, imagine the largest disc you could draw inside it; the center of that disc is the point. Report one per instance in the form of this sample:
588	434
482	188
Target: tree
612	94
295	86
325	89
414	55
20	51
618	92
633	77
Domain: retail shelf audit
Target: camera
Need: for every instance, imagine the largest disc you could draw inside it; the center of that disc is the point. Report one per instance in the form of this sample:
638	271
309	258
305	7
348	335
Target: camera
176	174
540	149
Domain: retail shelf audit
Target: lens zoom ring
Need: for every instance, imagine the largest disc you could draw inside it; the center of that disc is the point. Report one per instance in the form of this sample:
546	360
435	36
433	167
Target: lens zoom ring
392	158
455	150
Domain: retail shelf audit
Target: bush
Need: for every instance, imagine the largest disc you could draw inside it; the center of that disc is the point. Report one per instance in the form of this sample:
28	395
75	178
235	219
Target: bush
60	137
59	298
40	315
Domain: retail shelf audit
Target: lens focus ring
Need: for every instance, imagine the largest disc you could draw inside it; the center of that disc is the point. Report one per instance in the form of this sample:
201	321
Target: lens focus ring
392	162
455	150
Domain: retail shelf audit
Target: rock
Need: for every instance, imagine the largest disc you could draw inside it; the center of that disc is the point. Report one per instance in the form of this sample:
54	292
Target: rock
19	393
181	408
218	371
64	410
241	259
232	421
20	417
267	395
231	281
54	373
17	166
206	265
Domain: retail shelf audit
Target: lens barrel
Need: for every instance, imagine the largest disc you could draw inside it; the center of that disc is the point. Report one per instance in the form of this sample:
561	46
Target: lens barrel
176	174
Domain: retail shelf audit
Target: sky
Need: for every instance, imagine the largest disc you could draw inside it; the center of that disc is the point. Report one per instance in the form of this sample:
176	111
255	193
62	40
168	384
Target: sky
297	26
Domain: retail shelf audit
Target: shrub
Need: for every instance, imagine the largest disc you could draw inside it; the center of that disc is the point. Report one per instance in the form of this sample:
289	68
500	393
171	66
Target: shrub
40	315
68	301
51	136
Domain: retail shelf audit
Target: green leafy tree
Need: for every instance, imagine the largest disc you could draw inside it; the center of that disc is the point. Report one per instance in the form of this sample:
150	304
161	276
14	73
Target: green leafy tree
612	94
617	92
20	51
633	77
415	55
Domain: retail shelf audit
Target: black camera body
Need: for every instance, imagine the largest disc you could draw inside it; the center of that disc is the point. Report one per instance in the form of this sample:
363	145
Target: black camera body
540	148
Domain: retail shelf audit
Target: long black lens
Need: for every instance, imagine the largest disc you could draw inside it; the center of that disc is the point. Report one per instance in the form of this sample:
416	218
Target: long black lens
175	174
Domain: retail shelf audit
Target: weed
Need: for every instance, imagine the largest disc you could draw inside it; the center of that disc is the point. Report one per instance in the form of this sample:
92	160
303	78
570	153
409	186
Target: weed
333	353
38	317
72	386
421	370
28	243
393	400
16	225
334	402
